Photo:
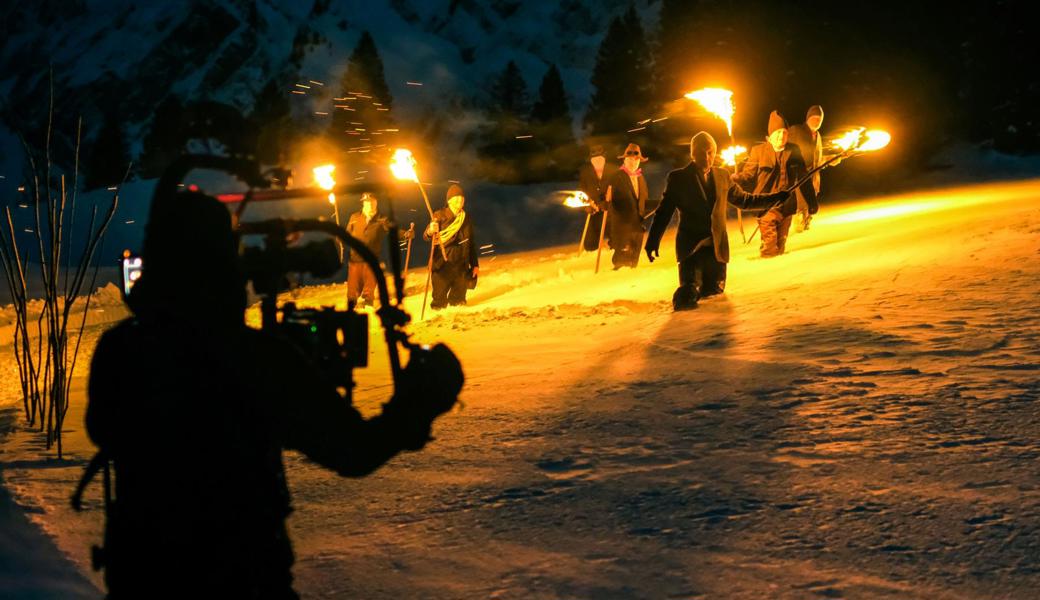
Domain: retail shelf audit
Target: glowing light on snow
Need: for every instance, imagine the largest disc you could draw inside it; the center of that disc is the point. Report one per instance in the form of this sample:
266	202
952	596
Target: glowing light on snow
729	155
577	199
323	177
403	165
894	210
718	102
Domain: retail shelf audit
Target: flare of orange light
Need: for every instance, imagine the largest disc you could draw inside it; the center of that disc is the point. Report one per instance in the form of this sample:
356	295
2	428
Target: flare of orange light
849	139
403	165
323	177
729	155
577	199
875	139
718	102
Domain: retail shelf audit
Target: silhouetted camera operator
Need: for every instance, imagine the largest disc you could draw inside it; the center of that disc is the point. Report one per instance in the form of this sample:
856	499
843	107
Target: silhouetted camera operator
194	409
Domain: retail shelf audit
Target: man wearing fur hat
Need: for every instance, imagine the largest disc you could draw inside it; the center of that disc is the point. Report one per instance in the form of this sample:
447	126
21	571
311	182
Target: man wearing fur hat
452	228
627	195
810	143
593	179
700	192
772	167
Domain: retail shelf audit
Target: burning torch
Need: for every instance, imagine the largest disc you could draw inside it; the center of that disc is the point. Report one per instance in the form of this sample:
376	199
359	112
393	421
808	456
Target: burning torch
579	199
403	167
323	177
855	142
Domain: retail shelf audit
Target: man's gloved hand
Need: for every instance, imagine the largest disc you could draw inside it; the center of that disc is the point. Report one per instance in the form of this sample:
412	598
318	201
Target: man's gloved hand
652	252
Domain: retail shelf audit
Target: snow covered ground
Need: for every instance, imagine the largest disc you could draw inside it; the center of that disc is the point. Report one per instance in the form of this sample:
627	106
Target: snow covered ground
855	419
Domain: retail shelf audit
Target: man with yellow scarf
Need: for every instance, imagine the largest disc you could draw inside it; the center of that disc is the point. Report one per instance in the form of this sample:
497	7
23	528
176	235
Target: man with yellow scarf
452	228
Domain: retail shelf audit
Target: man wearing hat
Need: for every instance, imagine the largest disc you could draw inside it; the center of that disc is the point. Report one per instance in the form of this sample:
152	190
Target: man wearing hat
452	228
593	180
370	227
627	195
772	167
810	143
700	192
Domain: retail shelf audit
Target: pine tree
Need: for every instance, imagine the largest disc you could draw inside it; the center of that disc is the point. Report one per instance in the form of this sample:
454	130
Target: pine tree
678	40
165	138
107	160
364	98
272	122
504	156
551	127
622	78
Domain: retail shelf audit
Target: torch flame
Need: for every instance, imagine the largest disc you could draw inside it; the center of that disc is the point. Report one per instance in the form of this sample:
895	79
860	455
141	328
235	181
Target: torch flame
875	139
730	154
849	139
403	165
323	177
576	200
718	102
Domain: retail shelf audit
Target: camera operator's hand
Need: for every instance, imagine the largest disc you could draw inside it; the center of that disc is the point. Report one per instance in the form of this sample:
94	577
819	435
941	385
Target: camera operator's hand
429	387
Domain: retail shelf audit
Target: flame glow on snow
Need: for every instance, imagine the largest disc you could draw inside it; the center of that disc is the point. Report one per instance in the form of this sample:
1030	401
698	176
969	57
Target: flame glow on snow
403	165
718	102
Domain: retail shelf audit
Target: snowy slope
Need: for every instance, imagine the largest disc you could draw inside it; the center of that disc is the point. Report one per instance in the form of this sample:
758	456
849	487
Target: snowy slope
855	419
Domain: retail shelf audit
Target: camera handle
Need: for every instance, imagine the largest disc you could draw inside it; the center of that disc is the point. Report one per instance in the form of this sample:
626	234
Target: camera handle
391	317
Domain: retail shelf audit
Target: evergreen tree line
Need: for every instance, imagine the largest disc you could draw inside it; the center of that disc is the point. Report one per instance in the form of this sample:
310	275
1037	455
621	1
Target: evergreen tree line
931	76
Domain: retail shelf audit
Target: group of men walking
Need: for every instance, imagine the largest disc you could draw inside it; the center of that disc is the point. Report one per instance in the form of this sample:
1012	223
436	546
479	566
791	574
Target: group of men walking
772	180
454	265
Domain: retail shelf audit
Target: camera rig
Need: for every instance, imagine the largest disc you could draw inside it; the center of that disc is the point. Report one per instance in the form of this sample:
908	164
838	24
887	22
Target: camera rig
334	341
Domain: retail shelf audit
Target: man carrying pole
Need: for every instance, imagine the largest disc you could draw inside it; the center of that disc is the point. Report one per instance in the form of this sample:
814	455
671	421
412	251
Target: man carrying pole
593	180
454	270
370	227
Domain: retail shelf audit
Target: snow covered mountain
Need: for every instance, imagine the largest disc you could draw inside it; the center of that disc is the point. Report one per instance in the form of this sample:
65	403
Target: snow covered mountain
128	56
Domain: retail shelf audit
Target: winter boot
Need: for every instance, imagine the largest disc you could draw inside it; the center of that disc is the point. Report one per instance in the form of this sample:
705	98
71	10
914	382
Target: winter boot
684	298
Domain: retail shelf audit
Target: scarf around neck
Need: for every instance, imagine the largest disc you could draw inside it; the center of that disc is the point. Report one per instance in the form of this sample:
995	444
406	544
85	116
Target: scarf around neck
450	230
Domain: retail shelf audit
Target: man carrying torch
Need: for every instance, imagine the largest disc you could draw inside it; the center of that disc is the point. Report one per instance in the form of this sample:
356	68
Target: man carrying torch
454	270
700	192
773	167
593	180
370	227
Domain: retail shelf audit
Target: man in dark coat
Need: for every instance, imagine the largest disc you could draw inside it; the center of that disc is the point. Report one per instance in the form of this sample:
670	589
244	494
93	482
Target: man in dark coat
627	196
810	142
371	228
772	167
452	228
593	179
194	410
700	192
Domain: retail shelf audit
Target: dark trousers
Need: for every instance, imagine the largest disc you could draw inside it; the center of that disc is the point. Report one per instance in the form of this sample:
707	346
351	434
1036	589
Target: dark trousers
449	284
627	238
361	282
774	227
702	272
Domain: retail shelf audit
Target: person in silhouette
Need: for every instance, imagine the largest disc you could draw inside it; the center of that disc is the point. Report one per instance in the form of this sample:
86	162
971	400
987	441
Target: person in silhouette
594	179
700	192
194	411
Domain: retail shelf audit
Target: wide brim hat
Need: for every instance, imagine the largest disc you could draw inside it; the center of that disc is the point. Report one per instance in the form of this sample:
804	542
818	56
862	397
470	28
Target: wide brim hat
634	148
596	150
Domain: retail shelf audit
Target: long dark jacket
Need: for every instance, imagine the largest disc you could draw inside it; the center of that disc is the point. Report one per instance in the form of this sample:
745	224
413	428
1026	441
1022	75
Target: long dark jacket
702	210
195	416
371	233
811	147
769	171
461	248
595	187
627	204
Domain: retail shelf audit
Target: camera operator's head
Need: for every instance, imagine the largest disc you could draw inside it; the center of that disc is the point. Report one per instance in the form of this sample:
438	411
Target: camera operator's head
190	261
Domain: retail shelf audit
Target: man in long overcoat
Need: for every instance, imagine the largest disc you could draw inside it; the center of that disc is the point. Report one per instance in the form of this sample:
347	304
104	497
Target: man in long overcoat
627	196
700	192
593	179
